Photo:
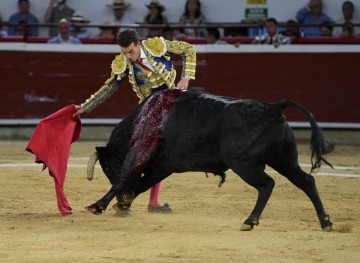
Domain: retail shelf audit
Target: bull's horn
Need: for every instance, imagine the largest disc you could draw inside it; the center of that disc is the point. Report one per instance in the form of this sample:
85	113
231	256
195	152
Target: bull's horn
91	165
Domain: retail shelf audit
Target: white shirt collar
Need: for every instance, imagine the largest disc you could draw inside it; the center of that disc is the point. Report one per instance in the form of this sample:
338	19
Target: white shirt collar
145	60
142	53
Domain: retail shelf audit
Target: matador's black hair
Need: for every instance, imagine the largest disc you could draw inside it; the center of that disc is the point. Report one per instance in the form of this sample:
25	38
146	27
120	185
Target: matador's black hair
127	37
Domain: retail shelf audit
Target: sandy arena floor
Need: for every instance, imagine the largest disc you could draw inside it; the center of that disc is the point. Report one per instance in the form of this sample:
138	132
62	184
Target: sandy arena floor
204	226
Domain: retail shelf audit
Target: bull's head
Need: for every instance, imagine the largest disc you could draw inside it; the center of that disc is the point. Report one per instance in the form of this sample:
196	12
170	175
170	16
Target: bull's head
109	163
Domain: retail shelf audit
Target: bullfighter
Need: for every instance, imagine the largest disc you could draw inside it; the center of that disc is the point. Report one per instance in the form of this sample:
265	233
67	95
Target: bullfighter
149	69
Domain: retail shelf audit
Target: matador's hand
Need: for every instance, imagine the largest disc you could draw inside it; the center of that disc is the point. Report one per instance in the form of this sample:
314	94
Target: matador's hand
183	83
79	110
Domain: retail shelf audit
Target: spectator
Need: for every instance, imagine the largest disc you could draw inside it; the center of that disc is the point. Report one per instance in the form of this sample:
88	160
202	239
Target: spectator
155	12
178	33
348	30
3	33
21	28
107	31
193	16
326	29
312	14
212	35
64	36
291	29
272	37
155	16
348	19
168	33
155	31
56	11
120	16
77	26
25	17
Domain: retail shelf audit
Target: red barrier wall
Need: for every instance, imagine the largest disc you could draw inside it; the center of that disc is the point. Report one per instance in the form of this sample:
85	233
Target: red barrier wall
35	83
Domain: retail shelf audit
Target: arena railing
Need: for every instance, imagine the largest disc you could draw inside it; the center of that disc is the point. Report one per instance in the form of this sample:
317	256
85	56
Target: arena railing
231	30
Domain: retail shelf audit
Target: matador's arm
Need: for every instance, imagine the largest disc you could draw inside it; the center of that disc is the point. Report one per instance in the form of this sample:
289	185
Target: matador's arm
109	87
188	54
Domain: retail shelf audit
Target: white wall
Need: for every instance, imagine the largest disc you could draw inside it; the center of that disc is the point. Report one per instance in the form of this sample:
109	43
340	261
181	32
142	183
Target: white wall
215	10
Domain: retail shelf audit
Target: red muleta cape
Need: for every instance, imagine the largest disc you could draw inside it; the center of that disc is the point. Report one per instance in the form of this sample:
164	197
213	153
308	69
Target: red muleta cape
51	143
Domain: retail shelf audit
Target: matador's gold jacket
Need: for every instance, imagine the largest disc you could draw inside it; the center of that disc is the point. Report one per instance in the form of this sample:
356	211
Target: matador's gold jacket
158	52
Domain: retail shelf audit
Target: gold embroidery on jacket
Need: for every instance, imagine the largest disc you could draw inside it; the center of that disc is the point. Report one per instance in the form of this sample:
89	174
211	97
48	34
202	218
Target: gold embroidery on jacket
119	64
153	47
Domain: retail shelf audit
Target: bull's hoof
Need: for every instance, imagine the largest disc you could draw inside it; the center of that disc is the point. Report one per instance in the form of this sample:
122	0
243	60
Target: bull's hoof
122	210
246	227
116	207
326	224
327	228
94	209
123	213
249	224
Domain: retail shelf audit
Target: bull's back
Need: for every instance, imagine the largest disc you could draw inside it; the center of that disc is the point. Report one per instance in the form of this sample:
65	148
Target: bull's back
200	125
252	129
195	116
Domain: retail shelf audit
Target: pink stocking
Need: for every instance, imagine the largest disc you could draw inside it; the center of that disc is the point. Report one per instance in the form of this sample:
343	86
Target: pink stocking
154	195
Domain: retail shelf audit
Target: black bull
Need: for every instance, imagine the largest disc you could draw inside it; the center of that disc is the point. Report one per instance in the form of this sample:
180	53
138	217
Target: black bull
212	134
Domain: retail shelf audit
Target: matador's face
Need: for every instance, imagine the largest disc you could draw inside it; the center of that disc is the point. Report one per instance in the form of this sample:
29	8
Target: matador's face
132	52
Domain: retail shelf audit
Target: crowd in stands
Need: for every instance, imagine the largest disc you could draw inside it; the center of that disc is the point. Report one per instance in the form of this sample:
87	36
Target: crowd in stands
56	11
64	34
23	16
3	33
72	25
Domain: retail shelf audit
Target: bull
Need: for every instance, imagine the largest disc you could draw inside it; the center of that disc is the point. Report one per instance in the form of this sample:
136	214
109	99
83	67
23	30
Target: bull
211	134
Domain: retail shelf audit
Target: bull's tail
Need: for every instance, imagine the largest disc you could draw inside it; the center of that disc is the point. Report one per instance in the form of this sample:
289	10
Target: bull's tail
320	146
